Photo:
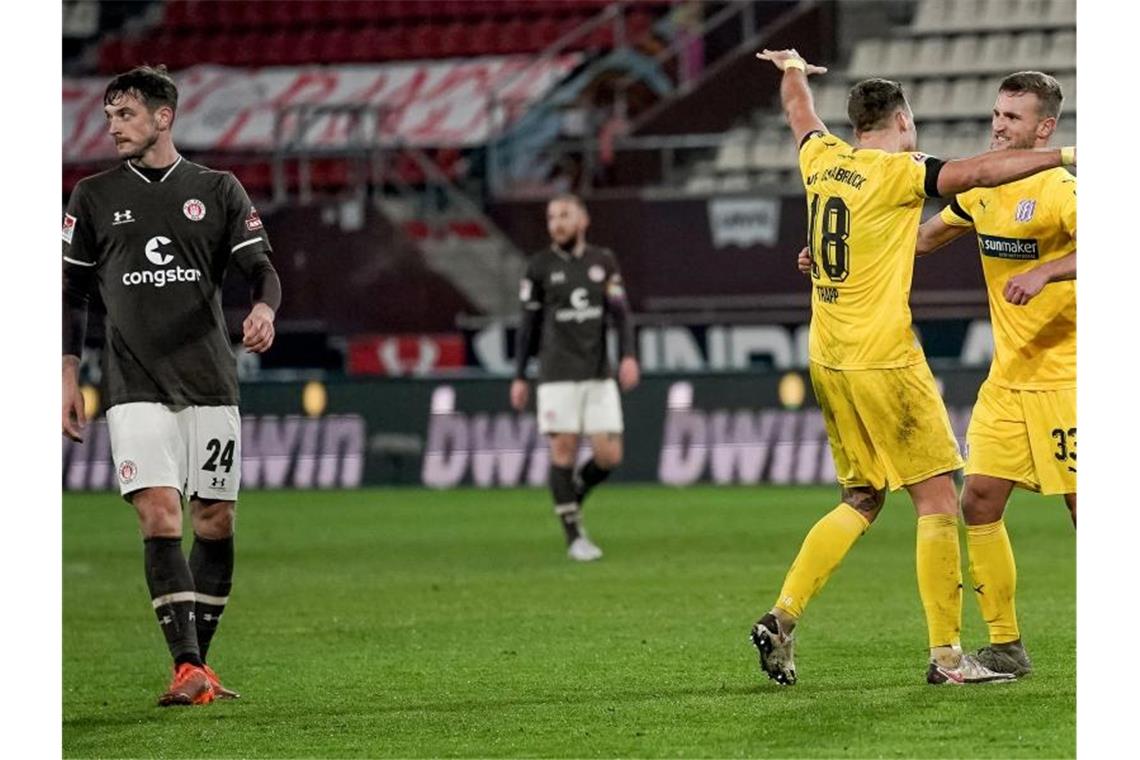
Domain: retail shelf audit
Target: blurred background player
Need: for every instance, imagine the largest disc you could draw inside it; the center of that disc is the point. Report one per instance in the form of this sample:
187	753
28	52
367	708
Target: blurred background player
570	293
885	419
1023	431
154	236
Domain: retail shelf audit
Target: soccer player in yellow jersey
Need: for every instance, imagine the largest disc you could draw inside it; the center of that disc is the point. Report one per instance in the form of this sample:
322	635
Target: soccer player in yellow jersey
1023	431
885	419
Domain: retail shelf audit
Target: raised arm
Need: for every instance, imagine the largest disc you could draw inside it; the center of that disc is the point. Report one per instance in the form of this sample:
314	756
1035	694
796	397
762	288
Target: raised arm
794	91
998	167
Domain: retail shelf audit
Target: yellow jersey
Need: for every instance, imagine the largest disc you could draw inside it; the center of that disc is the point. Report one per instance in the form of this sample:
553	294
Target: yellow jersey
864	208
1019	226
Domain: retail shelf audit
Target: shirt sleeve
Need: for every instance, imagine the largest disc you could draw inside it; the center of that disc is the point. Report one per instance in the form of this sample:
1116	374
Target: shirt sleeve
618	306
246	232
912	177
79	247
815	144
957	213
530	287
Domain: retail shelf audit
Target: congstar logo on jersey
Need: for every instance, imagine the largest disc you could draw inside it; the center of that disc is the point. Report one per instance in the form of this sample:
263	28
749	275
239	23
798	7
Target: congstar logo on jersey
1008	248
160	255
582	311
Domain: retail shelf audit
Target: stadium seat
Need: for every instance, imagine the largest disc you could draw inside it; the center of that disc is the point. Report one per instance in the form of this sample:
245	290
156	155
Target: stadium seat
543	32
1062	13
962	54
930	55
309	12
995	51
512	38
1063	51
732	154
1031	51
480	38
867	60
111	55
334	46
424	41
175	14
230	17
452	41
932	138
198	15
963	100
700	184
931	16
931	99
899	58
1026	13
967	15
735	183
831	102
329	174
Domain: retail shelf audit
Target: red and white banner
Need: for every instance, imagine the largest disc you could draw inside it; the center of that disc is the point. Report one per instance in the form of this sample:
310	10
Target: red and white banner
416	355
432	103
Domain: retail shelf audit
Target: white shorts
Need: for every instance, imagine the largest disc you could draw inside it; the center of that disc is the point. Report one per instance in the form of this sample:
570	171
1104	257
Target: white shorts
196	449
588	406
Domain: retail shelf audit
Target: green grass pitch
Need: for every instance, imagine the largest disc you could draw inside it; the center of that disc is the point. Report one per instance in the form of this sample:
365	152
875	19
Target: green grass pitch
412	623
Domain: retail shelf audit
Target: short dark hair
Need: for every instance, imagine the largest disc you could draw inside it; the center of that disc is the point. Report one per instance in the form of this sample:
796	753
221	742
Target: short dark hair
872	101
150	84
1046	88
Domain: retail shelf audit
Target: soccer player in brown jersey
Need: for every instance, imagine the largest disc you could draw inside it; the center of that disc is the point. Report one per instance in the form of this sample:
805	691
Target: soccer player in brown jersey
570	292
154	236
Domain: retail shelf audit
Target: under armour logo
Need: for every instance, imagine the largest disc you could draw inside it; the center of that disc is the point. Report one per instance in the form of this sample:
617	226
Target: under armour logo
123	217
218	483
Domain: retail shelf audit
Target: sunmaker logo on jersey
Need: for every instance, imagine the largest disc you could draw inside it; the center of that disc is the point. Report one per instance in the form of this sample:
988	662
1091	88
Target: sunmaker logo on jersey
1008	248
157	254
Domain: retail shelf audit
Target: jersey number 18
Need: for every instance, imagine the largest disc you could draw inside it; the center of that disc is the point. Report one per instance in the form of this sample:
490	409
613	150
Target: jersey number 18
831	245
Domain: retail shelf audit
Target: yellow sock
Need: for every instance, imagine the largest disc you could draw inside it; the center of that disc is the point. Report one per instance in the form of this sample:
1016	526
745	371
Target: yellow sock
995	579
824	547
939	564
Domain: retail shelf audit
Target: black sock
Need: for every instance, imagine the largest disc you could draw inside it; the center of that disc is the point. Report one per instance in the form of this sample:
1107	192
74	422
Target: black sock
212	565
565	503
589	476
172	596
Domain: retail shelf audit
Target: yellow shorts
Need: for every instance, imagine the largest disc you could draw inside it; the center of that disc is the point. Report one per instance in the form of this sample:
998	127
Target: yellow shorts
1029	437
887	427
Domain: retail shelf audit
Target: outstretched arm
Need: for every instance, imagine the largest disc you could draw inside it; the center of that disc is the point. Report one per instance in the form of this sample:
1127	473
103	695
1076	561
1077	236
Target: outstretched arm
794	91
935	233
998	167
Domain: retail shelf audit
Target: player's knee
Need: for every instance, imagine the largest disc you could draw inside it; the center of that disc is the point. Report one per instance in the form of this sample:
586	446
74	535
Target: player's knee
214	520
867	501
563	449
159	511
609	456
980	506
